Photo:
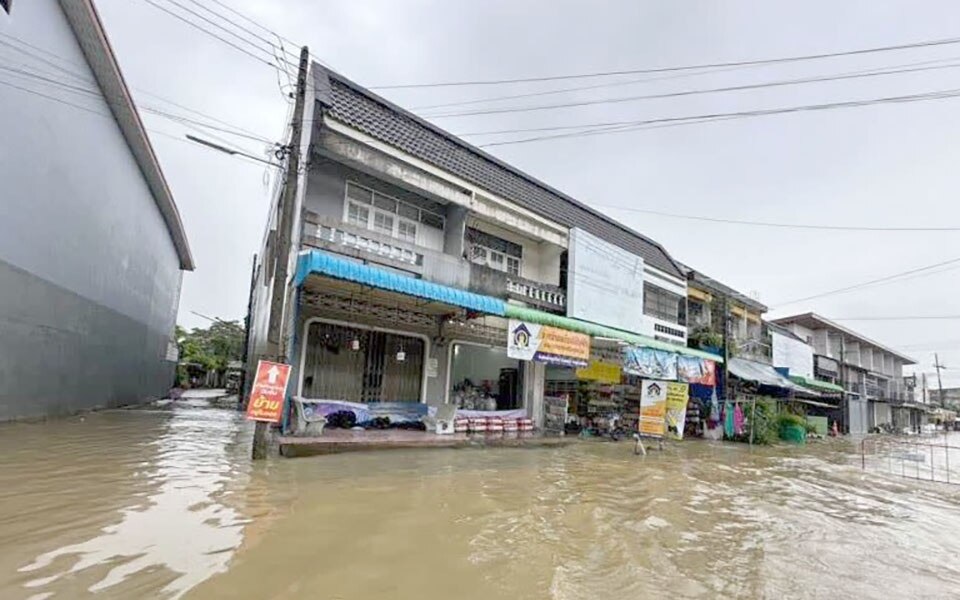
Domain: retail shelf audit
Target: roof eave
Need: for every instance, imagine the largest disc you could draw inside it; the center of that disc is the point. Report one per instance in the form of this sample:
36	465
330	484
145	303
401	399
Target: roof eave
830	324
88	28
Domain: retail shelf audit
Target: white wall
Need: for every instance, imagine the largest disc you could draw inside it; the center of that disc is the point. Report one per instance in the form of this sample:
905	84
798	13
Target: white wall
792	354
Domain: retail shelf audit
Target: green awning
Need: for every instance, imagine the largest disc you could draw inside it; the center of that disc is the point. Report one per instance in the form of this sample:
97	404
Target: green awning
816	384
544	318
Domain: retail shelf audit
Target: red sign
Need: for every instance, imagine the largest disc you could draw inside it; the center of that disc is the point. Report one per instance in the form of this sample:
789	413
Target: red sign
268	393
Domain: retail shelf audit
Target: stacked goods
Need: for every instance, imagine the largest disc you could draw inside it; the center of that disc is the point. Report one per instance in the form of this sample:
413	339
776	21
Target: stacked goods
494	426
525	426
478	425
510	426
461	425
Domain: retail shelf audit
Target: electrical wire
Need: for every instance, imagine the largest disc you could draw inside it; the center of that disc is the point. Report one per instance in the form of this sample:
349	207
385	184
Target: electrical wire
776	225
871	282
904	318
627	126
788	59
682	93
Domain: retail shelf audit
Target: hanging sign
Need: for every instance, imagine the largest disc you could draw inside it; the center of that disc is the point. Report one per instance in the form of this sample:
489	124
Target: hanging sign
601	372
269	392
532	341
697	370
647	362
678	394
653	404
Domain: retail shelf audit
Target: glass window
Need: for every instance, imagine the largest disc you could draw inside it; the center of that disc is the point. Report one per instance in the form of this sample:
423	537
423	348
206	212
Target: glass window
383	223
381	201
478	254
407	231
355	192
513	265
358	215
409	212
497	261
431	220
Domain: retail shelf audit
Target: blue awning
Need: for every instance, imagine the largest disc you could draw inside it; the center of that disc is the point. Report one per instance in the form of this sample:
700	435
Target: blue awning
328	265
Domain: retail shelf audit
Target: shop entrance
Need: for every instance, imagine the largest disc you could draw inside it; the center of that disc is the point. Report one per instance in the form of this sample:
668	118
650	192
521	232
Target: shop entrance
361	365
484	378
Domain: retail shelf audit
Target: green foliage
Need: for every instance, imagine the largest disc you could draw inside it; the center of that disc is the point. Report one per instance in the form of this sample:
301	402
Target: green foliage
762	420
704	337
787	419
212	348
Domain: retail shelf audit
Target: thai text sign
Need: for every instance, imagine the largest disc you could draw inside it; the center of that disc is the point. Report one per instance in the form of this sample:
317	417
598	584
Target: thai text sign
676	410
532	341
600	371
653	405
269	392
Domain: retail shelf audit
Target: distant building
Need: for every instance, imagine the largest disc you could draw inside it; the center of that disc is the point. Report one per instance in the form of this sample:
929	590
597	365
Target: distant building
950	398
91	245
871	373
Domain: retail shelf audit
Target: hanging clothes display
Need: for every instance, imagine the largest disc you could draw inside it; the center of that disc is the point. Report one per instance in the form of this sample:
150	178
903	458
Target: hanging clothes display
738	420
728	419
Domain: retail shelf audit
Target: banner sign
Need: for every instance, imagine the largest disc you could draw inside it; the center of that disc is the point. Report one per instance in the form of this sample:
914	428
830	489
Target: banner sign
653	404
269	392
648	362
532	341
678	394
601	372
697	370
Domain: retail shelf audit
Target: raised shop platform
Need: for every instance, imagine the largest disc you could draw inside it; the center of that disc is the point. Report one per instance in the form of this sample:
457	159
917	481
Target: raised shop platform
335	441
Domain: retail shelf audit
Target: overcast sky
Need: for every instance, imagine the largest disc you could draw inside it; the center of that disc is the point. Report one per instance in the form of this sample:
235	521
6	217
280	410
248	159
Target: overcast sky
891	165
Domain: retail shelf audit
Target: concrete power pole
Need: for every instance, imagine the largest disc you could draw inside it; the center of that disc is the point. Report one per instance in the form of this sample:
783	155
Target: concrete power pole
938	366
288	199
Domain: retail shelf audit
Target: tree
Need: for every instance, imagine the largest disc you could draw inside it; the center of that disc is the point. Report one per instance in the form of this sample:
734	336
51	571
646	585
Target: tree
212	348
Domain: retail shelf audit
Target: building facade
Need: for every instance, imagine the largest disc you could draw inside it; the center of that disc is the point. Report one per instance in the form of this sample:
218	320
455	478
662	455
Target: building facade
710	303
870	373
91	245
414	251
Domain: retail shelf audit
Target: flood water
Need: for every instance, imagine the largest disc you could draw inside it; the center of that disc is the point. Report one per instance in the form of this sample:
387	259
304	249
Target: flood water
165	504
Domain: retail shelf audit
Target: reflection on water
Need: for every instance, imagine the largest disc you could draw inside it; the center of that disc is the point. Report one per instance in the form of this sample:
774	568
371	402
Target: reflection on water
165	504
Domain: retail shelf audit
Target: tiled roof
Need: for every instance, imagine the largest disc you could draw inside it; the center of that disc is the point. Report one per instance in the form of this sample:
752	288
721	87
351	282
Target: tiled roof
363	110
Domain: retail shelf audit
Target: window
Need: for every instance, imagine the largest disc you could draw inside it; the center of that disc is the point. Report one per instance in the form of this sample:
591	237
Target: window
390	216
407	231
513	265
358	215
478	254
661	304
497	261
382	223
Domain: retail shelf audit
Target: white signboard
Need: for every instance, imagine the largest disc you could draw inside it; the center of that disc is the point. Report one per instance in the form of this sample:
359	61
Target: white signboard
793	354
604	283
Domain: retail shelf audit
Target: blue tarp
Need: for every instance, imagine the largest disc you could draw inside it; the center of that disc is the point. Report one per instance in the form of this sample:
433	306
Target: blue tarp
323	263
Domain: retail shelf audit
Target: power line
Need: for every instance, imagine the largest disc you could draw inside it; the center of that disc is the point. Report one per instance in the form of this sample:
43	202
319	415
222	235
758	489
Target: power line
627	126
212	34
734	88
899	318
870	282
775	225
924	44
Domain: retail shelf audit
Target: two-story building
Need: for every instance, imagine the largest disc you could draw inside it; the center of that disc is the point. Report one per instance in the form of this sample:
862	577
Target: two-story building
414	250
711	303
871	373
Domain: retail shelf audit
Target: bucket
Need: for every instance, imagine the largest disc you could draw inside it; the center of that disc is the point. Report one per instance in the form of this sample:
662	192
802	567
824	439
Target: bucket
461	425
510	426
478	425
494	425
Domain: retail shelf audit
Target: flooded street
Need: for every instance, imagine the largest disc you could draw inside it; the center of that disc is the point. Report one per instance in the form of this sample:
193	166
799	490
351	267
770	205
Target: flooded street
165	504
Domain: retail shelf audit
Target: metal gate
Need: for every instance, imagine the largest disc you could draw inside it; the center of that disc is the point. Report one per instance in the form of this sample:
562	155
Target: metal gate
859	419
361	365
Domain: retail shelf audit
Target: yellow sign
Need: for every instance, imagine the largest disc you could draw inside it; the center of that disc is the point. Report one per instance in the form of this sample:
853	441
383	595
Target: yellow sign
598	370
676	408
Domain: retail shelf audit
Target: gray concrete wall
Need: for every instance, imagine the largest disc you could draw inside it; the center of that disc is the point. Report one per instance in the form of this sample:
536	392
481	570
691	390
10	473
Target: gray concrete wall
89	277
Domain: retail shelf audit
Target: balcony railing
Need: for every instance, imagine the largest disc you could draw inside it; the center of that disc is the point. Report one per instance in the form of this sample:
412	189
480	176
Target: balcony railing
317	233
493	282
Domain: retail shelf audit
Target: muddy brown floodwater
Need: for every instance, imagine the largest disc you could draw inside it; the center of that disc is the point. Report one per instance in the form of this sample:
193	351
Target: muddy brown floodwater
165	504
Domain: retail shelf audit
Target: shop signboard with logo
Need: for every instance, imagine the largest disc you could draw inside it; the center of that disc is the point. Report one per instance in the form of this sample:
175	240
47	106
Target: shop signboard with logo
653	407
601	372
542	343
697	370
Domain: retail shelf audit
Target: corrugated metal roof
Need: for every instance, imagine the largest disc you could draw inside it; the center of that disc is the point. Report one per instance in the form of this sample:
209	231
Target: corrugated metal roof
323	263
357	107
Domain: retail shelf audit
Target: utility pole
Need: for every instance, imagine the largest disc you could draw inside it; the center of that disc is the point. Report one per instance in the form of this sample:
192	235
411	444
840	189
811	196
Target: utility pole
938	366
287	201
726	349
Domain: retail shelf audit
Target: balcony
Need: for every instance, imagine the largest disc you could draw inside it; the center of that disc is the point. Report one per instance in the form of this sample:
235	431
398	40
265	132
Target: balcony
333	235
492	282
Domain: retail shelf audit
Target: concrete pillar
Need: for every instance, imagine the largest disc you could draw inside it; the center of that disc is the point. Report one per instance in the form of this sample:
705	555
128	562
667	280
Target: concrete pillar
455	230
534	377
